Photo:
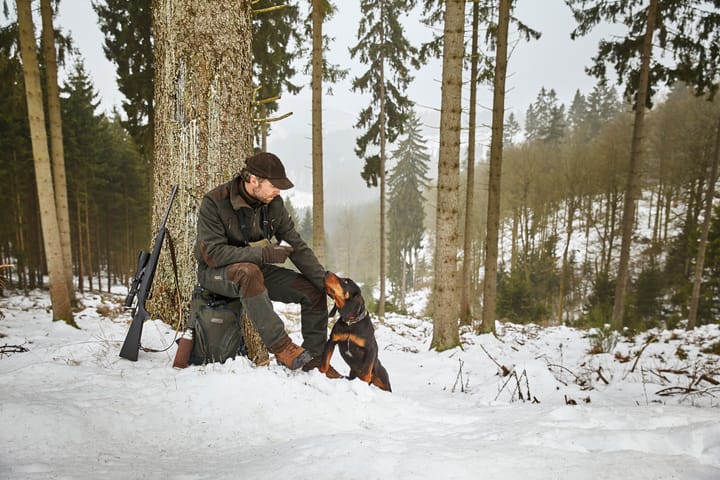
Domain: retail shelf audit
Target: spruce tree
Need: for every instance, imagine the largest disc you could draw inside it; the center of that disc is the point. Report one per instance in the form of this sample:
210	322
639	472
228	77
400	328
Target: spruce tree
127	27
384	48
545	119
406	214
277	42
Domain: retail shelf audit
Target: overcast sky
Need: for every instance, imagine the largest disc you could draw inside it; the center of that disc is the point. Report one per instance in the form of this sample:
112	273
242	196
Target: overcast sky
553	61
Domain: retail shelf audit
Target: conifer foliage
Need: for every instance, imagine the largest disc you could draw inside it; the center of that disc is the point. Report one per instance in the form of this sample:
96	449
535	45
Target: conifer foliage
384	48
107	181
408	179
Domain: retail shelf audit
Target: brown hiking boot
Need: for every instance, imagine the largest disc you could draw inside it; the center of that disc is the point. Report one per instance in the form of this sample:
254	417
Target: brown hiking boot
316	362
289	354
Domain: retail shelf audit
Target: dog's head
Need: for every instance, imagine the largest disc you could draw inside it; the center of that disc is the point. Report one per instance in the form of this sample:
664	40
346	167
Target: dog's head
347	296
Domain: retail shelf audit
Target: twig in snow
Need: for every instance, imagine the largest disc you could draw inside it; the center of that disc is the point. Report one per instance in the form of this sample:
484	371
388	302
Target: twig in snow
505	371
652	339
459	378
7	349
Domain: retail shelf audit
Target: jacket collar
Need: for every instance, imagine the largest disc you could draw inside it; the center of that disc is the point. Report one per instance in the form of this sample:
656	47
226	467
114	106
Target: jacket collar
239	198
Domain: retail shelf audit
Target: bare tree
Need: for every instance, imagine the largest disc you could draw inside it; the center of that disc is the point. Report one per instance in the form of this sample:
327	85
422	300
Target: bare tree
705	229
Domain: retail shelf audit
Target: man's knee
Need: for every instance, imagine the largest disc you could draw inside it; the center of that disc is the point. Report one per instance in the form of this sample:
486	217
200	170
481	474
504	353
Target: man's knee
248	277
312	298
318	300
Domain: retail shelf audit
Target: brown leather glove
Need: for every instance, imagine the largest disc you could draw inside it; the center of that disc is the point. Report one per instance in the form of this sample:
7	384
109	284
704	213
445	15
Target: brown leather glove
276	253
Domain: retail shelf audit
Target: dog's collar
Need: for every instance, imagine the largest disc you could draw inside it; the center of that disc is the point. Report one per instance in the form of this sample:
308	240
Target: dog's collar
350	320
359	318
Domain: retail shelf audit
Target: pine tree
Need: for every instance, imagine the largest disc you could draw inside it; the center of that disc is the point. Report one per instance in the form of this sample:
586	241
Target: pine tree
406	230
384	48
56	144
495	174
577	116
320	70
59	293
16	161
277	42
512	128
127	27
545	119
602	105
445	309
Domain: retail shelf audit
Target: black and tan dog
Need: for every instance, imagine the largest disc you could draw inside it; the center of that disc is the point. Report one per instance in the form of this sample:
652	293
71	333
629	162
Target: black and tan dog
354	334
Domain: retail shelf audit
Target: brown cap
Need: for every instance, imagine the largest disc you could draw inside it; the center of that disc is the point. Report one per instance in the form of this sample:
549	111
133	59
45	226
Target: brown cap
267	165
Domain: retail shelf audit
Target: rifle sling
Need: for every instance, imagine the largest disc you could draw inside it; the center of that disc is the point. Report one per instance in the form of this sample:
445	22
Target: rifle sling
173	257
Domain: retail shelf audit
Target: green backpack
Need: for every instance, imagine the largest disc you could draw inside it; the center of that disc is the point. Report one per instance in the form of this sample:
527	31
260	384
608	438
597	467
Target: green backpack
217	325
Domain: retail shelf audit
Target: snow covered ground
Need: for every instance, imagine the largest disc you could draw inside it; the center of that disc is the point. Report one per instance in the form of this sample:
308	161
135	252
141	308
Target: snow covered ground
530	403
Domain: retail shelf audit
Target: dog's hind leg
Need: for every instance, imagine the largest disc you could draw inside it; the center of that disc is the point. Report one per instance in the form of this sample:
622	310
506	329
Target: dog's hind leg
380	377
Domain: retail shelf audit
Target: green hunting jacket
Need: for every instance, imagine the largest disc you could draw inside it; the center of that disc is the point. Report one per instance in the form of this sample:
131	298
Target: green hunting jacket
228	221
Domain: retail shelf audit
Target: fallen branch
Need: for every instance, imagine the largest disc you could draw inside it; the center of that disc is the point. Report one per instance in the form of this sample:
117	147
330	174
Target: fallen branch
8	349
708	379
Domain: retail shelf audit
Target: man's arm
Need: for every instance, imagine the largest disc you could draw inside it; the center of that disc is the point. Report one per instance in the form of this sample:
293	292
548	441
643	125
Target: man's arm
212	240
303	257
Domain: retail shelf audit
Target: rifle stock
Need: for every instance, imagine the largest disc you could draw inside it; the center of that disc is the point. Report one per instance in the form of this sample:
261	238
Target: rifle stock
131	345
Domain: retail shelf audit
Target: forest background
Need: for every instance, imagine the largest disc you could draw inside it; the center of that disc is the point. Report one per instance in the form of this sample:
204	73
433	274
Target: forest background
565	169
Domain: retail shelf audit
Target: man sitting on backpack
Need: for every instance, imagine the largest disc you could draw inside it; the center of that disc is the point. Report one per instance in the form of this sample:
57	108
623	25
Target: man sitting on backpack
236	259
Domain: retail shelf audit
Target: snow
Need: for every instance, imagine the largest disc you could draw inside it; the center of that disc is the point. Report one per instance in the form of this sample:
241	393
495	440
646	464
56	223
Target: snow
71	408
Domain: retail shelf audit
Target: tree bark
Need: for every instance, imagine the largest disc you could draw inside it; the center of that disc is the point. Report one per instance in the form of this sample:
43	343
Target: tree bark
445	309
633	180
57	151
59	294
203	123
318	226
496	146
702	246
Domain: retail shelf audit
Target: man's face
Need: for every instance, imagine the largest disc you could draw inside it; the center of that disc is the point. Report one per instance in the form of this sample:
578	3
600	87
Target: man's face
262	190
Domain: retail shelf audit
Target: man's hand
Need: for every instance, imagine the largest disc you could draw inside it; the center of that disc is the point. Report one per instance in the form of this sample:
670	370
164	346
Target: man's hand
276	253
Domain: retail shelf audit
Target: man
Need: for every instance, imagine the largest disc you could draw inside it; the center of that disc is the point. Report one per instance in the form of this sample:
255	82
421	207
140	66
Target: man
235	258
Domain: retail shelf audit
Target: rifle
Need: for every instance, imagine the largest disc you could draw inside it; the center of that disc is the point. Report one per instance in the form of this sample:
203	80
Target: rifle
141	287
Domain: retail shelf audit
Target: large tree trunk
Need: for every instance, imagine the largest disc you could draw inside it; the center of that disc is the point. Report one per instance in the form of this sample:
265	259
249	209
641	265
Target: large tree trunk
59	294
203	123
445	309
496	147
57	151
702	246
631	189
318	226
